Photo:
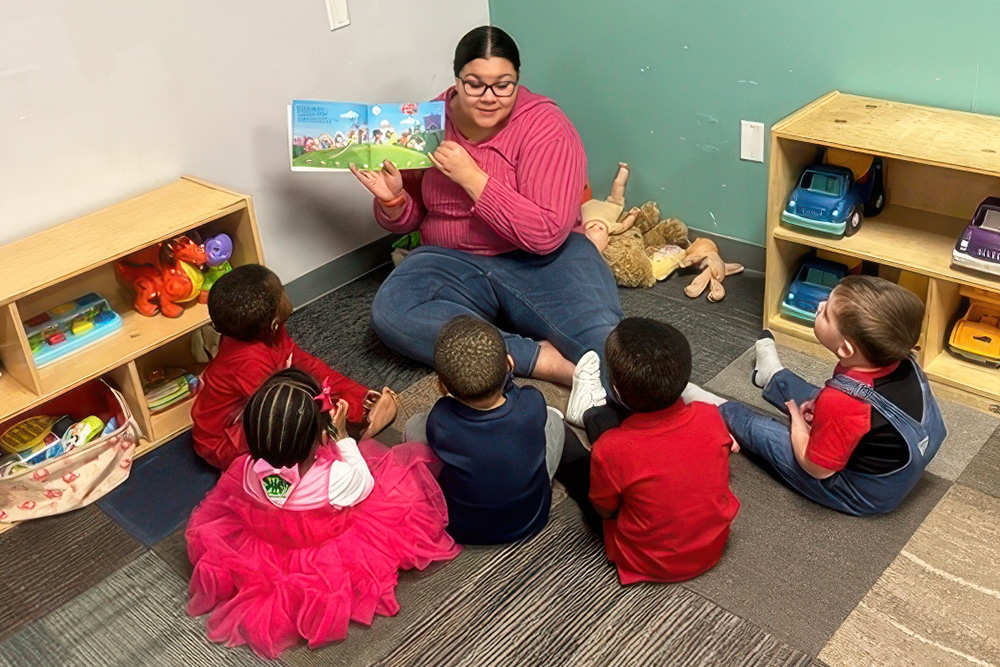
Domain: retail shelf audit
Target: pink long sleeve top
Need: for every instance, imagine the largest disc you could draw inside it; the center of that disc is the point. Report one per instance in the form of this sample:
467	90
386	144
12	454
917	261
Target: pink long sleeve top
537	170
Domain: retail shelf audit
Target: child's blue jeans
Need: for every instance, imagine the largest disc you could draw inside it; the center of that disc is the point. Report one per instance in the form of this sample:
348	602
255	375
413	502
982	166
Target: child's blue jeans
845	491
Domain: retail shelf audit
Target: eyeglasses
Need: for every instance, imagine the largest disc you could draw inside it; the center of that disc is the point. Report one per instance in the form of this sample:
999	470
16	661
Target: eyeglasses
476	88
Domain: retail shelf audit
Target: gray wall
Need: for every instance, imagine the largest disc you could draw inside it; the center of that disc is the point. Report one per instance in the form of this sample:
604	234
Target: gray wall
101	101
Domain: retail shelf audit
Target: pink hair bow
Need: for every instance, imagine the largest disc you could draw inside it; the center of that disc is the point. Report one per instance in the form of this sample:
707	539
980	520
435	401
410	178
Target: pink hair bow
277	483
325	396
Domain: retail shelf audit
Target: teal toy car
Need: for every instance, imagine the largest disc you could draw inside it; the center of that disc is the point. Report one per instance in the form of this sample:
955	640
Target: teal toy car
811	286
832	199
825	200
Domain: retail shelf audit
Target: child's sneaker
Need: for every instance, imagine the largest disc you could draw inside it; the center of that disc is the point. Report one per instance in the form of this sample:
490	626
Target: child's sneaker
587	391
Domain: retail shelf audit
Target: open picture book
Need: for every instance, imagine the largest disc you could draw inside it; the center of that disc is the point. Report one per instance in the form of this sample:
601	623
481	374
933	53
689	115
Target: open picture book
333	135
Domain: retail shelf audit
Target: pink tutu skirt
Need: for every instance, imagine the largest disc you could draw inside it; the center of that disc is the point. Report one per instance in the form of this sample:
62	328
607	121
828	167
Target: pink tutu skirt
269	576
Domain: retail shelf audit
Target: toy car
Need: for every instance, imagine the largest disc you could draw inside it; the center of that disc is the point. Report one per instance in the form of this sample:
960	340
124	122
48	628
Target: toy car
976	336
811	286
829	199
869	174
979	246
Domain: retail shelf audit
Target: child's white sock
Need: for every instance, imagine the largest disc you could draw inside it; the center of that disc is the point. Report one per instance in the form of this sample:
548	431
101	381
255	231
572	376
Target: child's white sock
693	392
767	363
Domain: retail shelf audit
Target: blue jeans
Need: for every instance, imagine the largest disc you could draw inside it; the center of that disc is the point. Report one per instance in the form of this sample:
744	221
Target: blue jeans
846	491
568	298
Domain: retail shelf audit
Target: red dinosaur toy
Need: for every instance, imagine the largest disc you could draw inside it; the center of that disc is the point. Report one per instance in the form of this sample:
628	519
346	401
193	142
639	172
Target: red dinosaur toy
164	275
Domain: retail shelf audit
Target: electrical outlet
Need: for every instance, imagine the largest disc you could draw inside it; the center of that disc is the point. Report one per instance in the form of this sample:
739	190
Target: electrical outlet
751	141
336	10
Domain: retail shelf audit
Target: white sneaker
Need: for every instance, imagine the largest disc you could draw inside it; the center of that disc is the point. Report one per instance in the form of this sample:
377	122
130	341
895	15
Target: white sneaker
587	391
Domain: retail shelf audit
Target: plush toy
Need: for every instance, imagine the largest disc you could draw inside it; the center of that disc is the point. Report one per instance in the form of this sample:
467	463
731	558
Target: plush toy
657	232
704	254
626	255
630	241
218	250
164	275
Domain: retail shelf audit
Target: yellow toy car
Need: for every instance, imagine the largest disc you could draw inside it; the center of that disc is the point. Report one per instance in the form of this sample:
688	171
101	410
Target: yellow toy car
976	336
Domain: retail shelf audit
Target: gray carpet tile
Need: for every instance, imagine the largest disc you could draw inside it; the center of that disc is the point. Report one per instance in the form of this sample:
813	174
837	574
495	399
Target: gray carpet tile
983	472
968	428
937	604
172	550
134	617
797	569
718	332
419	397
49	561
420	595
336	328
551	600
796	551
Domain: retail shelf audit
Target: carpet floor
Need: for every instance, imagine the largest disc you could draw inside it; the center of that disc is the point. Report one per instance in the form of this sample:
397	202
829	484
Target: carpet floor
105	586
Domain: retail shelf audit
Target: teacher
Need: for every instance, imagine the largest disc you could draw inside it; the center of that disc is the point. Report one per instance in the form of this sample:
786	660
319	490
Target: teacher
497	219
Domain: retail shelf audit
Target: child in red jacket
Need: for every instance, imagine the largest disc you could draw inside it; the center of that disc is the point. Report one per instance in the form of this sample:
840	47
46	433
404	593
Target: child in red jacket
249	307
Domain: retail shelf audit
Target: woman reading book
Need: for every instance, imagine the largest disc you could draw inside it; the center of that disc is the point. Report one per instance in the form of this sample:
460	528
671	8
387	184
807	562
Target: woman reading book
496	218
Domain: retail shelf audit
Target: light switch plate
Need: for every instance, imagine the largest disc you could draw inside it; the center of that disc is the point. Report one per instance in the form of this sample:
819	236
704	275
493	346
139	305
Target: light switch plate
751	141
336	10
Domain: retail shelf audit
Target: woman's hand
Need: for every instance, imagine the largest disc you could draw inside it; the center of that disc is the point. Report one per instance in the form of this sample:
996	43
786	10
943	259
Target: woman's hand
454	161
338	416
381	410
385	183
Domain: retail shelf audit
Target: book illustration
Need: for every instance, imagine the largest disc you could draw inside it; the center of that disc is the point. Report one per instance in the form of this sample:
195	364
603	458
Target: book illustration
333	135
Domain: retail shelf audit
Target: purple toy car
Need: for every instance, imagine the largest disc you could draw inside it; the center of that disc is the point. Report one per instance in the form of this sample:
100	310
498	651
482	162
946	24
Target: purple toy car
979	246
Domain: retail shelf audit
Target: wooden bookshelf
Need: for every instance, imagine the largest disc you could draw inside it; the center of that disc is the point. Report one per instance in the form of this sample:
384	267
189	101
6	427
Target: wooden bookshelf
71	259
940	165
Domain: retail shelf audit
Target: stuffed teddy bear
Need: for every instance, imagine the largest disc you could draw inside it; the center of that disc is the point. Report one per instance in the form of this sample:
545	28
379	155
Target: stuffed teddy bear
628	240
626	255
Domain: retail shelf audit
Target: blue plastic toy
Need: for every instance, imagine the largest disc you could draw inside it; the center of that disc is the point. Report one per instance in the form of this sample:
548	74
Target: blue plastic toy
811	286
70	327
829	199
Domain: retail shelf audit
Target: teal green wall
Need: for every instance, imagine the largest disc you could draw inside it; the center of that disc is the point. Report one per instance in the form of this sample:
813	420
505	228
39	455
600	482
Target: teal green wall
663	84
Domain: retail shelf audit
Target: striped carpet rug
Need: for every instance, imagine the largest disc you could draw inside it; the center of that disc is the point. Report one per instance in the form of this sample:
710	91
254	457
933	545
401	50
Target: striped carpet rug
552	600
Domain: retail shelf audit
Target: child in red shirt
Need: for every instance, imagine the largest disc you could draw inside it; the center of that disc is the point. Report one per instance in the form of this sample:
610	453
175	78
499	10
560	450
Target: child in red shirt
860	444
659	478
249	307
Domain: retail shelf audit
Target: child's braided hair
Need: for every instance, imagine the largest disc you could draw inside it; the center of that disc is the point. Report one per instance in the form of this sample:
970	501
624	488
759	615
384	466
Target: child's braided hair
282	420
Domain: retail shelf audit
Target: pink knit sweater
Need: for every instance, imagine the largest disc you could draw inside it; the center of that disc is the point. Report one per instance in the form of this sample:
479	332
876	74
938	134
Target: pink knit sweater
537	169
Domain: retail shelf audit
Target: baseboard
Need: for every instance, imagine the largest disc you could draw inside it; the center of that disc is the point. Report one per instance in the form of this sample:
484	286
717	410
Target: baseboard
750	255
351	266
338	272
